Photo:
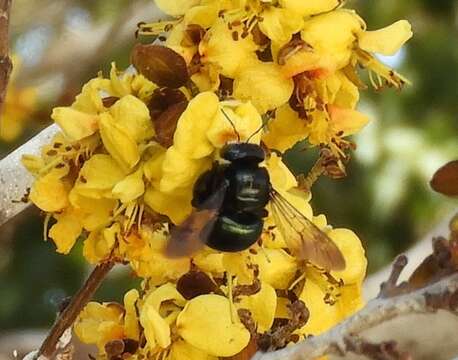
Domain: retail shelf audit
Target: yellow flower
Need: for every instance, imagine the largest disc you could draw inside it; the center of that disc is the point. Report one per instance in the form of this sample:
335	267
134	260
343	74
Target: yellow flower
100	323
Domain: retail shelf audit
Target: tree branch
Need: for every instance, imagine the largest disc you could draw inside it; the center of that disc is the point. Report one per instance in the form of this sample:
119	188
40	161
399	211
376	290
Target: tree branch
440	295
71	312
5	62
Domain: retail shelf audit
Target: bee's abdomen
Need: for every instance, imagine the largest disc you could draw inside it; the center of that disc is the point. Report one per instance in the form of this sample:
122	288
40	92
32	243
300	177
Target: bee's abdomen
235	231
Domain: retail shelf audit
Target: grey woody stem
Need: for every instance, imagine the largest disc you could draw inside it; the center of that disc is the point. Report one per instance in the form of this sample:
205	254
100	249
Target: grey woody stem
71	312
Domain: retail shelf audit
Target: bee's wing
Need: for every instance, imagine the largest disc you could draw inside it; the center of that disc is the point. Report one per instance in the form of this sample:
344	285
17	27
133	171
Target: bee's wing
191	235
303	237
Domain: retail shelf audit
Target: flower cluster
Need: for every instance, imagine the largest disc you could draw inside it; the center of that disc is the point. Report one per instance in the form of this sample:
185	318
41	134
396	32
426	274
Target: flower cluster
122	172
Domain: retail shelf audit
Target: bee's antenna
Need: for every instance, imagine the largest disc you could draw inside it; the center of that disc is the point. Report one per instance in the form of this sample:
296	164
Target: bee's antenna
232	124
260	128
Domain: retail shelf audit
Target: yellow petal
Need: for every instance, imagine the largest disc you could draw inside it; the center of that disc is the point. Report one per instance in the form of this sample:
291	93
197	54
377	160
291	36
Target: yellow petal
333	35
179	171
176	207
388	40
118	142
95	213
246	120
130	188
211	314
67	229
152	168
210	261
347	121
99	174
281	177
285	130
307	8
351	300
176	7
50	192
262	306
203	15
264	85
75	124
190	138
99	244
89	100
312	295
158	267
181	350
353	252
142	87
133	116
219	42
239	264
276	267
131	326
32	163
279	24
166	292
156	329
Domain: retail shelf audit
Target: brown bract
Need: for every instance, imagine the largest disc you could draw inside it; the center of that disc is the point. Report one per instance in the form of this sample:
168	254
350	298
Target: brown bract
445	180
166	106
195	283
160	64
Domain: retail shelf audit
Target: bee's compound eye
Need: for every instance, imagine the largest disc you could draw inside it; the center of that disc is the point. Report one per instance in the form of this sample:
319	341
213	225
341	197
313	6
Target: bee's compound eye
235	232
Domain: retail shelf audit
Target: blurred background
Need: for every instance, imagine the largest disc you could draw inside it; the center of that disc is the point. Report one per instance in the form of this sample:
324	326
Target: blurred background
386	198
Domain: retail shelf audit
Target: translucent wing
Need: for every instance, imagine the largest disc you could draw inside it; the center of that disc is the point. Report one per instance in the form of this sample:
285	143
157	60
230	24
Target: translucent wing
191	235
303	237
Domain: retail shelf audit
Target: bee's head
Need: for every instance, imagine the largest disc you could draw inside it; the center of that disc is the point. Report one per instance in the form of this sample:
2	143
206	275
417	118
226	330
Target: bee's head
243	152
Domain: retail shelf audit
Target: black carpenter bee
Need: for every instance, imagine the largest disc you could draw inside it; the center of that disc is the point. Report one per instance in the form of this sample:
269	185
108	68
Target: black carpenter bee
229	203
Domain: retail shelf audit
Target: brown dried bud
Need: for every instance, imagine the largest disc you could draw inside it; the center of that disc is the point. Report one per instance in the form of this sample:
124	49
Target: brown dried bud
195	283
114	348
109	101
166	123
160	64
445	180
166	106
193	35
